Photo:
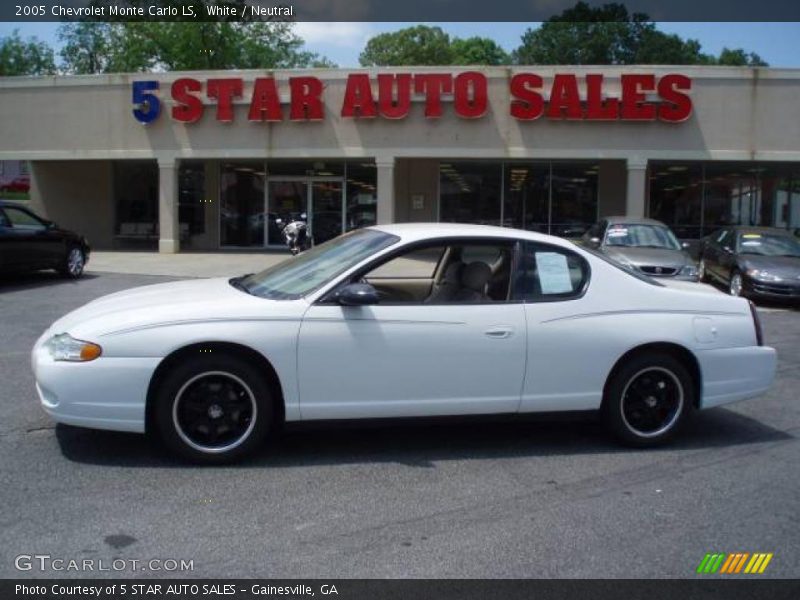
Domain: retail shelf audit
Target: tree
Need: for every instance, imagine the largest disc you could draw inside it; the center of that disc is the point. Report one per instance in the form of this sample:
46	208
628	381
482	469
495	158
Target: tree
609	35
739	58
182	46
419	45
478	51
25	57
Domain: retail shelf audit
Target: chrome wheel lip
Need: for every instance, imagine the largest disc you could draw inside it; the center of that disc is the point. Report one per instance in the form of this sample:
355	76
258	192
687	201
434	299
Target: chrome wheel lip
736	285
75	261
214	449
671	423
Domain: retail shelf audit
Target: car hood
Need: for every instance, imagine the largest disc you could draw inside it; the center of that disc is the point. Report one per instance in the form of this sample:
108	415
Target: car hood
787	267
165	303
656	257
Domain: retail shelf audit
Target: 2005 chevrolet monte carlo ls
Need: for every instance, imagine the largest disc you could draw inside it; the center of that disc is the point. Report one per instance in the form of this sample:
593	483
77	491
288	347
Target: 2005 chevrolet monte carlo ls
401	321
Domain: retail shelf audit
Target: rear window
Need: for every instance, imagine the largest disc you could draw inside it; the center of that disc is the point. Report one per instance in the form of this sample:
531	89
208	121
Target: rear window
547	273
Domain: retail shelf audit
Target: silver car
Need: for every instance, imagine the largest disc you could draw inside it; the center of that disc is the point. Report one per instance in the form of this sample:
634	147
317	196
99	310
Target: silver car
646	245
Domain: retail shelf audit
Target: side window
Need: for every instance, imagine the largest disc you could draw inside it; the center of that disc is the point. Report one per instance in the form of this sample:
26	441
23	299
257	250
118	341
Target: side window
21	219
547	273
449	273
417	264
3	219
722	237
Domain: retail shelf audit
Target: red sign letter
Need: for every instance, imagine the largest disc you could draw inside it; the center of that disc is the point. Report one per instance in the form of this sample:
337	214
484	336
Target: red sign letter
677	106
476	107
596	108
358	97
188	107
634	106
565	96
433	85
389	107
306	98
265	105
529	104
225	90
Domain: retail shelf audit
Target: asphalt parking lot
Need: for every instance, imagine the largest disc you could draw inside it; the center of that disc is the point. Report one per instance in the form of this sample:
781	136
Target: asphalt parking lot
497	499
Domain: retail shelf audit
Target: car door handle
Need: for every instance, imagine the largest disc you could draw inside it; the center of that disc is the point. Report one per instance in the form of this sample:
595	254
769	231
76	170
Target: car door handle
499	333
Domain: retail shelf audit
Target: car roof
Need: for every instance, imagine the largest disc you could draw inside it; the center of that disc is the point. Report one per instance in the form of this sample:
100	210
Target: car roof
621	219
409	232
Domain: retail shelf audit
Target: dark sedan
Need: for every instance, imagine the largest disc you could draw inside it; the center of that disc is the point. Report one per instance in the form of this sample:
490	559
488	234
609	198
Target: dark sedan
30	243
753	261
646	245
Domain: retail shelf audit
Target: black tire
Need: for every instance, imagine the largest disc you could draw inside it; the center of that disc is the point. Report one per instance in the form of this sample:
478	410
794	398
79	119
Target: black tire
648	400
702	272
735	273
73	263
213	409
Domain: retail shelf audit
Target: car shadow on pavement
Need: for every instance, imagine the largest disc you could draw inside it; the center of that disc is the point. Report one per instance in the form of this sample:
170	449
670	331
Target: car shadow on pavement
29	281
421	444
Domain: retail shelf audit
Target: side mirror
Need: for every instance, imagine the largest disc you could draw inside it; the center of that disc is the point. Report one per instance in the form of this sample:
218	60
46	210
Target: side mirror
728	249
357	294
594	241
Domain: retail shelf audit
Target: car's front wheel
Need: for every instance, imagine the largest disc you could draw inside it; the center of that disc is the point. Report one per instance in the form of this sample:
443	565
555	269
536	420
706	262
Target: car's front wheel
73	263
702	271
736	286
648	399
213	409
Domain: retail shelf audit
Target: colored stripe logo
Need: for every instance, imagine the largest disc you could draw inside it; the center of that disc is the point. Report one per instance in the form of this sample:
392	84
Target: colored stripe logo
734	563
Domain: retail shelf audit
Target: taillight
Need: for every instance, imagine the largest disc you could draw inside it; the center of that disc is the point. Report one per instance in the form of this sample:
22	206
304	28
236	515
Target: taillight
757	324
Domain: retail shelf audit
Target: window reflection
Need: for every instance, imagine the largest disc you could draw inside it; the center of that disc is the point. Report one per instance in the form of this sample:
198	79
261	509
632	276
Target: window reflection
242	204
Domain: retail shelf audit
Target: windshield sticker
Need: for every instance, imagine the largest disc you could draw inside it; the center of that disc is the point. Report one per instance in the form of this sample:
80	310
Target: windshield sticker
758	243
617	233
553	273
752	236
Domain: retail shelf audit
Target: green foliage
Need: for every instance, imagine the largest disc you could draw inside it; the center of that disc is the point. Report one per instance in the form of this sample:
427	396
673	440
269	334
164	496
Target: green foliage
182	46
478	51
419	45
25	57
609	35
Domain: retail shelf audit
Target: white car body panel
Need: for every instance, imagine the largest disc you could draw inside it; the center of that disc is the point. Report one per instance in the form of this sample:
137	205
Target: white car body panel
385	361
400	361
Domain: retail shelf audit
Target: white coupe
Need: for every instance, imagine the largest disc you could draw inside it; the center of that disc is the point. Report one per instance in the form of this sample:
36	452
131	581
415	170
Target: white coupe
403	320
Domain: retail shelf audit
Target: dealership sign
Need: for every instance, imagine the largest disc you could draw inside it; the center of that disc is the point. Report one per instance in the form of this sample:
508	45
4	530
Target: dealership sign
642	97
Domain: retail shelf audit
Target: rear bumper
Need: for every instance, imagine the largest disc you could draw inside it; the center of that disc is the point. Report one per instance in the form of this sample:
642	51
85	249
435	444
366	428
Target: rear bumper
733	374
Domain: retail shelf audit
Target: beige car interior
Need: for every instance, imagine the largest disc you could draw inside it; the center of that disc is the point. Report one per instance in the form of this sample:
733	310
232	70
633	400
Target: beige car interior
446	274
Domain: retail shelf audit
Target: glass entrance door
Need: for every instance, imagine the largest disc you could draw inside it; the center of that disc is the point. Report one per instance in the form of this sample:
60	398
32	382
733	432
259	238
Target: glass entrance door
319	202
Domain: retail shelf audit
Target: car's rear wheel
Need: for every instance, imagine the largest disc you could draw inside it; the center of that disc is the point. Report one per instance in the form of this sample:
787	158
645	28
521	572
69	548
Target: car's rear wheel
73	263
213	409
648	399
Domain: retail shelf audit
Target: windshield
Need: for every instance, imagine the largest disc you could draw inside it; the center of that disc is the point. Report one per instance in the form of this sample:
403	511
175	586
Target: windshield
641	236
768	245
302	274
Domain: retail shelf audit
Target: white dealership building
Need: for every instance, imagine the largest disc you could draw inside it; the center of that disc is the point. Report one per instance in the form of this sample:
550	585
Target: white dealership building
217	160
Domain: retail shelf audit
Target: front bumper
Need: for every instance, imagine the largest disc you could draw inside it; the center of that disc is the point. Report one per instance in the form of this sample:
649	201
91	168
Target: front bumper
777	290
106	393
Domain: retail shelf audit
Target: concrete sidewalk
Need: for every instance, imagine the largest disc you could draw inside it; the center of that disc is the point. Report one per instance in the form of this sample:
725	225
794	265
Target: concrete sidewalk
188	264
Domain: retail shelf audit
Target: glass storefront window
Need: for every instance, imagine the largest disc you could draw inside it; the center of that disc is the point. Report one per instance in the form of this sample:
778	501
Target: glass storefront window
676	191
526	196
574	198
241	204
696	199
361	196
469	192
136	203
191	197
305	168
545	196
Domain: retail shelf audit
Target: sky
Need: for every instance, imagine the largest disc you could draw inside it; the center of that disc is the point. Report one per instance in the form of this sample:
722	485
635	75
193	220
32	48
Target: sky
776	43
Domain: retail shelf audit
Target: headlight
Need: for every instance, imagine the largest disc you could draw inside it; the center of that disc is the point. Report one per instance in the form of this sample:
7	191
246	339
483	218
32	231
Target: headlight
762	275
689	271
65	347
